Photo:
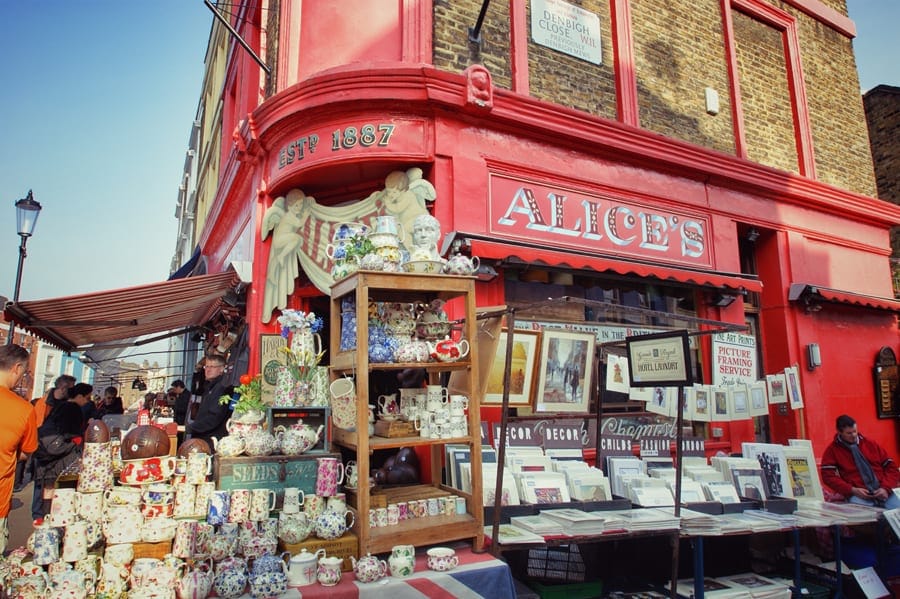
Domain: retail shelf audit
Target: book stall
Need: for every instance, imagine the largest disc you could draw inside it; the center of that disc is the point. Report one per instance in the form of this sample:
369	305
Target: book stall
619	526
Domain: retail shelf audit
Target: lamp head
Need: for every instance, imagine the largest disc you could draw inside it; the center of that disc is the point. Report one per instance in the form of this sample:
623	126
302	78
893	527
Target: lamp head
27	211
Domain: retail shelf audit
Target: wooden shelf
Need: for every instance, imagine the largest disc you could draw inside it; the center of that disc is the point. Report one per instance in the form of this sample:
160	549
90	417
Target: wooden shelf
365	287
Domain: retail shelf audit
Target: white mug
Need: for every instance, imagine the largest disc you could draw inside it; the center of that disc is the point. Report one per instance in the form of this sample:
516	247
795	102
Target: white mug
293	499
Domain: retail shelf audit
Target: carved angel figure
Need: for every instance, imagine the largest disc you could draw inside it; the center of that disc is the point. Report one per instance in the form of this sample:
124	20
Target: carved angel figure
284	220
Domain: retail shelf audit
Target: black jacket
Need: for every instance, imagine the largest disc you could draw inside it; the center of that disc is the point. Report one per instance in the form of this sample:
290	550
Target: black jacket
212	416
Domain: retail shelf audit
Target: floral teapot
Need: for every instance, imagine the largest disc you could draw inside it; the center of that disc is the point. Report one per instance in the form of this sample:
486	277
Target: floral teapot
259	443
294	528
369	568
196	582
413	350
449	350
230	446
299	438
458	264
331	525
231	577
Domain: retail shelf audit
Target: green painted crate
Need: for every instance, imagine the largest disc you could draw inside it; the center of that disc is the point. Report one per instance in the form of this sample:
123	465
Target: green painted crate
268	472
576	590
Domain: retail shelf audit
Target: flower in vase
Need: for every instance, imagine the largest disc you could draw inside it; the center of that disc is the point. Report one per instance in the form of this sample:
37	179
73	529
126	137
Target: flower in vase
247	397
298	319
301	364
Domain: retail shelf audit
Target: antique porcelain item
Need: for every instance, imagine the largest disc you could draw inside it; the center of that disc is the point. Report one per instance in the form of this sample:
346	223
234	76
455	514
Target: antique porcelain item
197	582
449	350
270	563
442	559
147	470
369	568
432	322
402	565
231	577
156	530
331	525
259	443
230	446
268	584
422	265
302	568
328	572
299	438
461	265
413	350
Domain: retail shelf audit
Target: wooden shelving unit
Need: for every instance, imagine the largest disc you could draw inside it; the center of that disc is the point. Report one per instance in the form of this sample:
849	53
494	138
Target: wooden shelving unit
409	288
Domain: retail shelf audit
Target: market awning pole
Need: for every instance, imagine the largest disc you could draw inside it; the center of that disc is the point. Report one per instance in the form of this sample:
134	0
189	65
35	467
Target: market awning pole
504	421
679	436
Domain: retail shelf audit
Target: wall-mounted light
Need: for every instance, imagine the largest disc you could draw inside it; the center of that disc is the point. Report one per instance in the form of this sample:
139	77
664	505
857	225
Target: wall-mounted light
485	273
721	300
813	356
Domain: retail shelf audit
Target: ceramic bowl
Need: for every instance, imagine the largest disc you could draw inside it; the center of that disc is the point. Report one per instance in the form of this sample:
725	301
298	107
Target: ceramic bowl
431	267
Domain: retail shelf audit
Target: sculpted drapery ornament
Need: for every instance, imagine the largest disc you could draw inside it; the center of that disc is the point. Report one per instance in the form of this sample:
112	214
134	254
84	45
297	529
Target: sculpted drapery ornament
301	228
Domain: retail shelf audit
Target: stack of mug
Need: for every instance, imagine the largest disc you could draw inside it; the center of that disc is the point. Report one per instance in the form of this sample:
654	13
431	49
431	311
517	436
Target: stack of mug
395	513
385	239
437	414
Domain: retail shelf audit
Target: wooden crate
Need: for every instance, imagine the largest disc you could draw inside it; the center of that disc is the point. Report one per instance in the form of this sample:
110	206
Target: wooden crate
342	547
395	428
268	472
157	550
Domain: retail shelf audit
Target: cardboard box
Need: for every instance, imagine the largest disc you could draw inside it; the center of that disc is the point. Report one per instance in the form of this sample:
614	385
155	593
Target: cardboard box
342	547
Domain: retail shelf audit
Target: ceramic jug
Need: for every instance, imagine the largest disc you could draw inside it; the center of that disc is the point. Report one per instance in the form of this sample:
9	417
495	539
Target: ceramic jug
328	572
368	568
302	568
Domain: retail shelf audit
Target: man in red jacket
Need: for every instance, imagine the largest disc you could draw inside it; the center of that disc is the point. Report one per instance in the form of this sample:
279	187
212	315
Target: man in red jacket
859	469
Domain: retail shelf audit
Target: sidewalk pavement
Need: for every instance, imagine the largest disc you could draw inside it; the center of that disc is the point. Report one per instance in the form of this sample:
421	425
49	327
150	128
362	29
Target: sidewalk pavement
19	520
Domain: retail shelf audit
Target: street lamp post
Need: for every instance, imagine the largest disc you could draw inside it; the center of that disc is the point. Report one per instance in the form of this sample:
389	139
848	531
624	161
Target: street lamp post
27	211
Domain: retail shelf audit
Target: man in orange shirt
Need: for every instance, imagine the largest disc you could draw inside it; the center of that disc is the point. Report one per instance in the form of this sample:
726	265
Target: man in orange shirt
18	429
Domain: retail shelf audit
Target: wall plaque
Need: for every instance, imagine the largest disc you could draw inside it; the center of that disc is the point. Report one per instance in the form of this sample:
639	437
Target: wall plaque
887	391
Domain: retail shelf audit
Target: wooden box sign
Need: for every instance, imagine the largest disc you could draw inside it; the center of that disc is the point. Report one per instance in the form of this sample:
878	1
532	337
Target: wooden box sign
268	472
887	389
342	547
313	416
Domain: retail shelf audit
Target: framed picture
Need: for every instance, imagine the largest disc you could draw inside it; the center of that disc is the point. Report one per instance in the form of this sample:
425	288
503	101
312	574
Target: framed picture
740	403
803	472
663	401
617	373
659	359
759	402
777	387
773	464
521	374
701	405
566	369
795	395
721	403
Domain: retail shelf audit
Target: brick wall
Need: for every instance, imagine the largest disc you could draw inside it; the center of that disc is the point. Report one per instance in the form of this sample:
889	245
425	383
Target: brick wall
679	51
882	105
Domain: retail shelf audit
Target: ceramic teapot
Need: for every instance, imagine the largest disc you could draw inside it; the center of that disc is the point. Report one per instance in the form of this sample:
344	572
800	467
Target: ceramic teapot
259	443
230	446
369	568
256	547
299	438
268	584
331	525
302	568
449	350
72	583
32	583
231	577
294	528
461	265
270	563
196	582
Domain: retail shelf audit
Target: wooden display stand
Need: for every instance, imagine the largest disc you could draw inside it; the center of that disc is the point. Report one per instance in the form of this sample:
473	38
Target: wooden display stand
365	287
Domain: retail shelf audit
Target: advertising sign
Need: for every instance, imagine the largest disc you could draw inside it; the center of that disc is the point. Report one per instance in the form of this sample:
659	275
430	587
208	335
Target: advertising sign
734	359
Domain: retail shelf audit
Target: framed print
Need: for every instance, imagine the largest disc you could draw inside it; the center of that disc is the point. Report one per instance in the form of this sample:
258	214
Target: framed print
617	373
748	482
795	395
759	401
644	394
702	411
661	401
659	359
720	397
521	374
777	388
739	406
772	461
803	472
566	366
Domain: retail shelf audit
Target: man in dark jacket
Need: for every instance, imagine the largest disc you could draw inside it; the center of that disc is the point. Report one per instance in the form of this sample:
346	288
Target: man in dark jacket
182	401
859	469
212	415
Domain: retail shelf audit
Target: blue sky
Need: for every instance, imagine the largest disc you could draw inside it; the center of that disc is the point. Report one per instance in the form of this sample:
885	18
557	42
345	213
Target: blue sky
98	98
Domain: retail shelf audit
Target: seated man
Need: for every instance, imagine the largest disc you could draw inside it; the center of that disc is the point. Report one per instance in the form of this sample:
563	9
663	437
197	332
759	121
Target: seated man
859	469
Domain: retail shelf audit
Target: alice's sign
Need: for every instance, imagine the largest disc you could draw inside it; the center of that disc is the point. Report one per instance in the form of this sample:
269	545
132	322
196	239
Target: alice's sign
535	211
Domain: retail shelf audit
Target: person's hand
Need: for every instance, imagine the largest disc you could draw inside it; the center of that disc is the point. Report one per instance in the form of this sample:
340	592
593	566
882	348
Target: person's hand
880	494
861	492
